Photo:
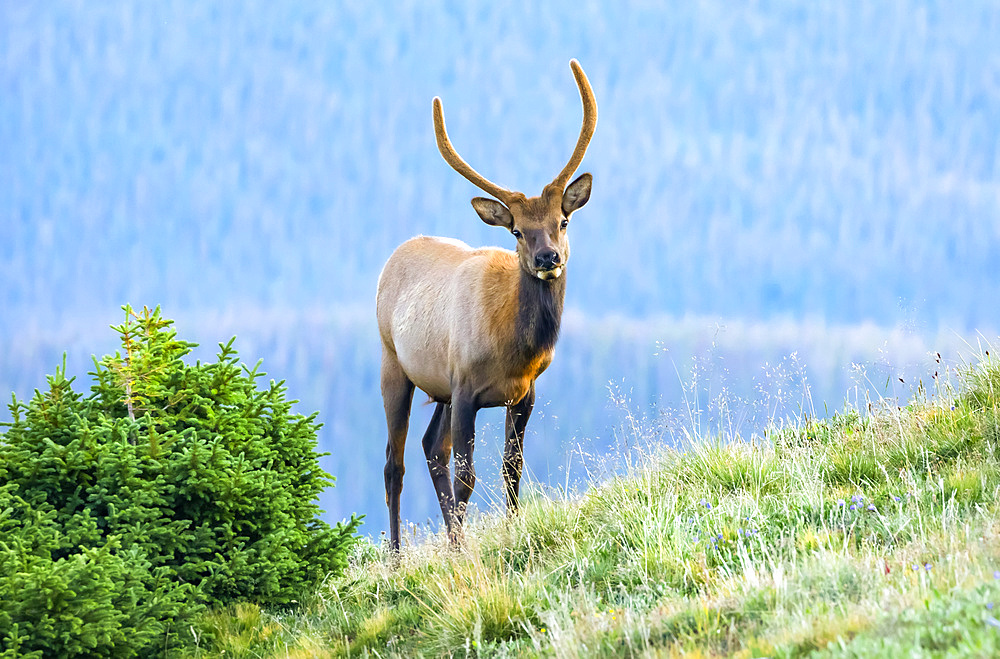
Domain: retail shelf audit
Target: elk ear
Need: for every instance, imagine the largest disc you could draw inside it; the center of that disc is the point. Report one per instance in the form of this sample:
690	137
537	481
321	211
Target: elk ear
493	212
577	194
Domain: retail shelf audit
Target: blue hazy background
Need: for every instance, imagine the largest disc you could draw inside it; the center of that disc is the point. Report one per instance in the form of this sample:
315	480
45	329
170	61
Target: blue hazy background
795	203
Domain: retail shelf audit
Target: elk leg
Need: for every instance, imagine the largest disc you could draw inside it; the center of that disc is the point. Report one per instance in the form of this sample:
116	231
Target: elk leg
513	452
437	449
397	396
463	426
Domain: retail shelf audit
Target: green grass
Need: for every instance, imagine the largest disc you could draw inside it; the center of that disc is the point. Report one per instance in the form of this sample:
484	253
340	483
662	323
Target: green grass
873	533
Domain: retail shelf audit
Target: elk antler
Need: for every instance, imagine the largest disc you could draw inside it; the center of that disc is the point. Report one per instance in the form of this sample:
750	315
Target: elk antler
506	196
586	131
452	158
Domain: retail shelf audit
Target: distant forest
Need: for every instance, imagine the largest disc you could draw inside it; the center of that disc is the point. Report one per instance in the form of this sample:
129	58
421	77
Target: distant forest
817	179
836	160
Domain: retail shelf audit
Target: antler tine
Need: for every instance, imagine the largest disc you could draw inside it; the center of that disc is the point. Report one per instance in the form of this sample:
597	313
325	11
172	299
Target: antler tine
586	131
452	158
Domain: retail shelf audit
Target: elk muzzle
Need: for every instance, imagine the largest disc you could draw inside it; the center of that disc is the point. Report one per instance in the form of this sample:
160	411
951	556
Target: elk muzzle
547	260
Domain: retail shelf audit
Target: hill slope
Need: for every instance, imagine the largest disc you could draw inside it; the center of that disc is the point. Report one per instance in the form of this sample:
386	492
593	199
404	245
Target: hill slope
872	533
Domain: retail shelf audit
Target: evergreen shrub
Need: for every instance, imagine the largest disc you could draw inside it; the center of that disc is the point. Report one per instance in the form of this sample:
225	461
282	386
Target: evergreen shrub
170	487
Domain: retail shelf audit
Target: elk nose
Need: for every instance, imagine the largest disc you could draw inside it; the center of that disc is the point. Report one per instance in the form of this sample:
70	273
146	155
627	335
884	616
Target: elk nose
546	260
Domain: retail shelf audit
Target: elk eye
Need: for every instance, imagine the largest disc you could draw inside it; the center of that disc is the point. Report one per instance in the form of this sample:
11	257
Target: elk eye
517	234
564	223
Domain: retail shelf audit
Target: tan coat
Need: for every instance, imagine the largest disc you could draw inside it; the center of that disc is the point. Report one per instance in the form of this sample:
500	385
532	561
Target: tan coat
448	312
474	328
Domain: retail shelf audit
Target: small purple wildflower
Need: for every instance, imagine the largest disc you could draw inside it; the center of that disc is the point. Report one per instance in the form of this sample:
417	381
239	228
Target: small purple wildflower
871	508
990	606
996	575
895	498
720	536
928	566
857	498
840	502
916	567
854	506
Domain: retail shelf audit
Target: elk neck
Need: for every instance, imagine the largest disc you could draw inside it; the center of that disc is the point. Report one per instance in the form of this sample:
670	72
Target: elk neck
539	312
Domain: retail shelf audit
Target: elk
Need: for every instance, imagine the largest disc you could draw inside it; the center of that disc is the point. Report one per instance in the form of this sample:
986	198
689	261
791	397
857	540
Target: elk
474	328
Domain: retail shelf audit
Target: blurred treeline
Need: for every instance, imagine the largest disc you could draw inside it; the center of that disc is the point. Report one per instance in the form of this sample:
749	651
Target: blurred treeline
802	173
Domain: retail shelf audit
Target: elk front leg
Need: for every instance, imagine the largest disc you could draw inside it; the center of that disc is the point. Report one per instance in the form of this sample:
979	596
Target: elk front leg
397	395
463	427
513	452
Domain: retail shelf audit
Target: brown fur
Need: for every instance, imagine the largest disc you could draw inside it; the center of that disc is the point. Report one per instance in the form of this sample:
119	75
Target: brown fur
474	328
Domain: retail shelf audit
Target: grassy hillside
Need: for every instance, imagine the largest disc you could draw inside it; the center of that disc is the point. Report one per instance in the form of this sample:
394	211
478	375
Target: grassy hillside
873	533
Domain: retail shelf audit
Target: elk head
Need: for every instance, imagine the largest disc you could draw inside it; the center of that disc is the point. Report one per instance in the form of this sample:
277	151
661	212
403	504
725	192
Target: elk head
538	223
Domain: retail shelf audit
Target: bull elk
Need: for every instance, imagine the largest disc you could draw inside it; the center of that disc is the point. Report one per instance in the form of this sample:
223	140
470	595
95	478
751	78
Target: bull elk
474	328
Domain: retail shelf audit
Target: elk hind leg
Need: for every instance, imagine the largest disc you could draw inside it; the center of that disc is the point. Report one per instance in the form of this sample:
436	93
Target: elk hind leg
397	397
437	450
463	426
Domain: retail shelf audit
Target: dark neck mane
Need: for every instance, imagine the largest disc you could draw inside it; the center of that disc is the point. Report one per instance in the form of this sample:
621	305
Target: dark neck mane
539	312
